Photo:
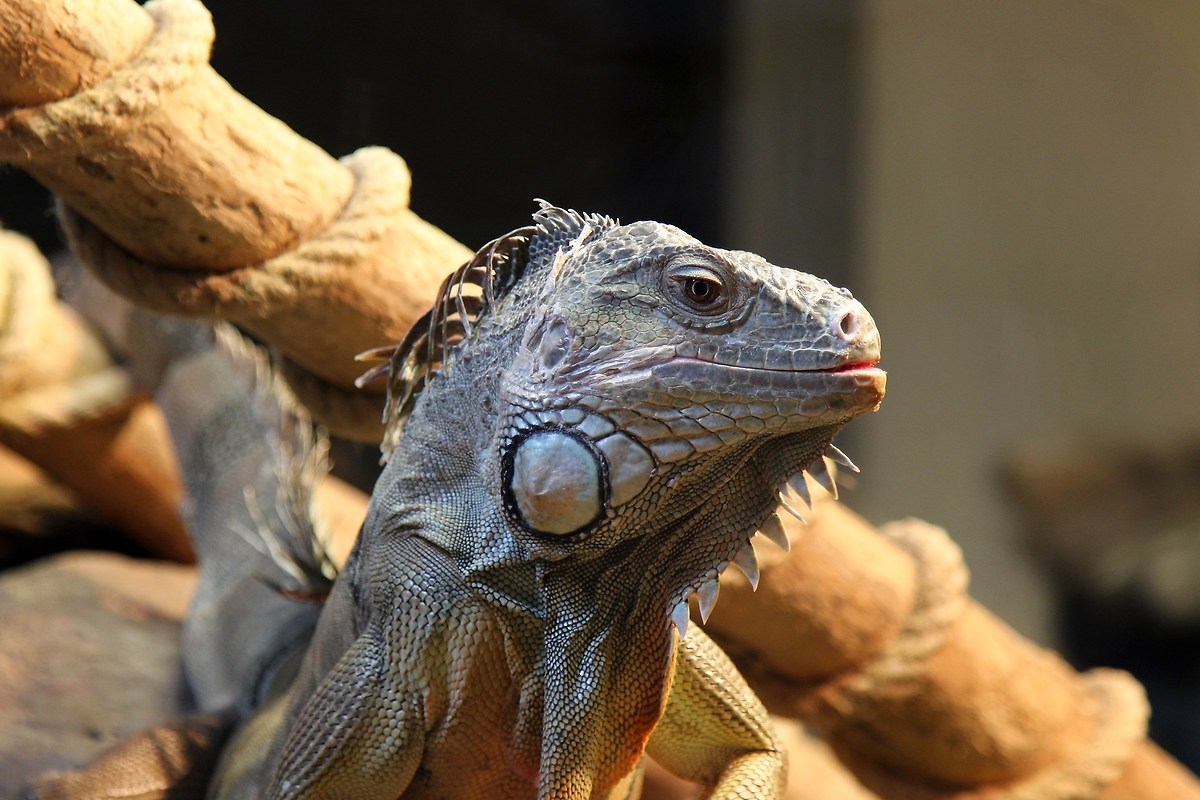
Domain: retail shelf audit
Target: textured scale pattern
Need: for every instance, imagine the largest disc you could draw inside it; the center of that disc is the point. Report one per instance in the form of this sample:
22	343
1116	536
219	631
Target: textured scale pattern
587	429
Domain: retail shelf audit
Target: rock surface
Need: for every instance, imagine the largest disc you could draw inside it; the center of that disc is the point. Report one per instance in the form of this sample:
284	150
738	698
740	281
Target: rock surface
89	654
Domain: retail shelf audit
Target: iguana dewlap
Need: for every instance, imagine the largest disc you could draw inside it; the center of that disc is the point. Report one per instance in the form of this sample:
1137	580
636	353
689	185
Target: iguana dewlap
584	432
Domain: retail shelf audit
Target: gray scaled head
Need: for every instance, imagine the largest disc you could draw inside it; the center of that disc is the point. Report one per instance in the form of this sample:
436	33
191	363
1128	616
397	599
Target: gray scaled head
637	376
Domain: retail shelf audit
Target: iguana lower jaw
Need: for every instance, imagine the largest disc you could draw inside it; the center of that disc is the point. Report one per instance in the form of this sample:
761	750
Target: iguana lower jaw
582	477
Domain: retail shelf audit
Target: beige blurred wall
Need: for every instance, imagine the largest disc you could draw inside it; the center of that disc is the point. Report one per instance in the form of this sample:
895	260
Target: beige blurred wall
1027	234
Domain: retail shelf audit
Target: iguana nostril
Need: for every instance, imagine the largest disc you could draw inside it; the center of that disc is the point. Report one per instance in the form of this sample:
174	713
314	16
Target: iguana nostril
849	324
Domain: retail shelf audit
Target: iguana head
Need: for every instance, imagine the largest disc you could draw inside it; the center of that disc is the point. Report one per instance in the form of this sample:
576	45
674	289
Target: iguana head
642	384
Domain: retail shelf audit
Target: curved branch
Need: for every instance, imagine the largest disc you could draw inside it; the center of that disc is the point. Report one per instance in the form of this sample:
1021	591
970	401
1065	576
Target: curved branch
180	184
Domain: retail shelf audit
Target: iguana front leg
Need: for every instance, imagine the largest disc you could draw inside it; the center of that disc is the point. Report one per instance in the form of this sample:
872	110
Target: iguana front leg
714	731
358	737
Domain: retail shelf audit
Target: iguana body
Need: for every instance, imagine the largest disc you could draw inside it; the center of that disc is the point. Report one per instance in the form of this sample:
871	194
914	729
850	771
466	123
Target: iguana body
588	441
596	438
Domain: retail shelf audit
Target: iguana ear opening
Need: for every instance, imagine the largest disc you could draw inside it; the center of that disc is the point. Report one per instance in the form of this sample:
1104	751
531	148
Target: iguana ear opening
547	340
555	344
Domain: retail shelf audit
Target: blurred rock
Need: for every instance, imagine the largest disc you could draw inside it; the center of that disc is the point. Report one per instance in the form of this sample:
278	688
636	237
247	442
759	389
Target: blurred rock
89	654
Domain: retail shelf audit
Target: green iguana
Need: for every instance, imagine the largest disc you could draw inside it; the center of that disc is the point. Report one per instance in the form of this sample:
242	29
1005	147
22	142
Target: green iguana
582	434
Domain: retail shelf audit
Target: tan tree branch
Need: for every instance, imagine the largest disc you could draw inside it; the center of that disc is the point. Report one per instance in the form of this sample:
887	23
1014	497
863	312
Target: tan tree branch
181	190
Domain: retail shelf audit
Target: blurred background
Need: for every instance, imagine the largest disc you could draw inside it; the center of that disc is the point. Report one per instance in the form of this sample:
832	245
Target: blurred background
1012	189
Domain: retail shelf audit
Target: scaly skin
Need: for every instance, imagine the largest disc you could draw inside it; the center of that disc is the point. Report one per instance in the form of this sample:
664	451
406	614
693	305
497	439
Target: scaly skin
606	438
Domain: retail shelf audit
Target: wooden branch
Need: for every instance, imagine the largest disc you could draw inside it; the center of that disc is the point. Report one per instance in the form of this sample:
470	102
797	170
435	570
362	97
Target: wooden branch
65	407
184	195
868	635
73	50
156	149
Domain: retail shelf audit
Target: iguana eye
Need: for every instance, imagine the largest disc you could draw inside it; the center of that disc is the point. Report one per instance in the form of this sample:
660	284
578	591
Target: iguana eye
698	288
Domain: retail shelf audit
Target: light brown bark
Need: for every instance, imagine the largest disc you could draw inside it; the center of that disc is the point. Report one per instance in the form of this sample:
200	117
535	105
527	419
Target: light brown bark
186	196
49	49
959	706
154	148
1154	775
65	407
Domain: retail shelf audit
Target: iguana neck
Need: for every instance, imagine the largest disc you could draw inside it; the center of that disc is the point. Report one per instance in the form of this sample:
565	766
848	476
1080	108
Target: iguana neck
438	486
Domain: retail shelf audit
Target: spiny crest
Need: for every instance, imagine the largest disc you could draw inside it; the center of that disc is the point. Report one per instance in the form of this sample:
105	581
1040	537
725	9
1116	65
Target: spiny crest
558	229
795	498
285	527
466	296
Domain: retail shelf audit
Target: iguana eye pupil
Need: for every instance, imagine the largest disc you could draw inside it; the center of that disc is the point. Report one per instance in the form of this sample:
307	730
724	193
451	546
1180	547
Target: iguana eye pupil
699	286
702	291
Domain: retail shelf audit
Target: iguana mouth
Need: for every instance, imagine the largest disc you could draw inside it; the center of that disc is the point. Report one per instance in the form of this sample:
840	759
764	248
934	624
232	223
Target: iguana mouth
867	366
853	366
